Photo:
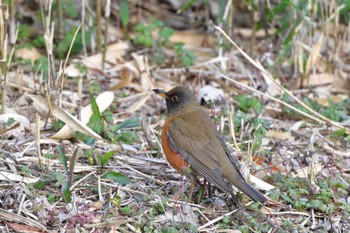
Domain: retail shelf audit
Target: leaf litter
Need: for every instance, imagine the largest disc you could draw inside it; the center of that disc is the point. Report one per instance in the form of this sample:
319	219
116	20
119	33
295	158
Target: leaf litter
296	151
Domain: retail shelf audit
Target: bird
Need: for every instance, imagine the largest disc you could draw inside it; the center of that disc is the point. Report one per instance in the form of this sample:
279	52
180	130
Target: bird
193	147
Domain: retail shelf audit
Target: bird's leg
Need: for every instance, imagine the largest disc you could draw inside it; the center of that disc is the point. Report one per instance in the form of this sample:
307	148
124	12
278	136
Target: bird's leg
193	183
209	190
235	200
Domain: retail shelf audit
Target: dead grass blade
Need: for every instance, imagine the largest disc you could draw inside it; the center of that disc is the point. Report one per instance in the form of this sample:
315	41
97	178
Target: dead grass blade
71	122
11	217
8	176
103	101
136	105
323	120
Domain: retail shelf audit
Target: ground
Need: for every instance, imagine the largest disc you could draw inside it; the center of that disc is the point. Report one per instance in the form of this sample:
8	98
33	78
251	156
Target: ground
80	147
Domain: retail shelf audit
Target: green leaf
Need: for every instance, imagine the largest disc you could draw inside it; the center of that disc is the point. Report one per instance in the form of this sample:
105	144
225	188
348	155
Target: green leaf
41	65
66	192
62	158
104	159
127	137
157	24
23	31
116	177
165	33
40	184
187	57
287	198
247	102
10	121
63	46
128	123
39	42
116	200
70	8
168	230
57	125
222	6
96	120
125	210
186	5
52	198
124	13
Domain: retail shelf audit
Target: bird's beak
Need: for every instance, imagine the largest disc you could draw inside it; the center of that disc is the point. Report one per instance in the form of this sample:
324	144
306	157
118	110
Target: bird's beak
160	92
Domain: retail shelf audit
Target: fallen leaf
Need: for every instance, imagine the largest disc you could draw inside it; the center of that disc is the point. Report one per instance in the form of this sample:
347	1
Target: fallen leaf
103	101
72	122
141	101
194	38
115	53
8	176
210	93
31	54
280	135
320	79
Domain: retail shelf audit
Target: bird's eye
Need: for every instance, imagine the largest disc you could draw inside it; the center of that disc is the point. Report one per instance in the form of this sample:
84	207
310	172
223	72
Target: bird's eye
175	98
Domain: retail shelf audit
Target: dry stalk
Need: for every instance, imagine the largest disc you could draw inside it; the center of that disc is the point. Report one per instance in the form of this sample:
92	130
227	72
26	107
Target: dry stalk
3	49
49	29
98	25
83	12
37	138
232	128
107	15
60	17
321	119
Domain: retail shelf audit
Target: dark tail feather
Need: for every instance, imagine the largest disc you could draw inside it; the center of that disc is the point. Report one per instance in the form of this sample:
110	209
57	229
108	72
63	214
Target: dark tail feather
250	191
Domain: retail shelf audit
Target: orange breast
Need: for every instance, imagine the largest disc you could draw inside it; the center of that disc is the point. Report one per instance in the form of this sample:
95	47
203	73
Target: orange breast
173	158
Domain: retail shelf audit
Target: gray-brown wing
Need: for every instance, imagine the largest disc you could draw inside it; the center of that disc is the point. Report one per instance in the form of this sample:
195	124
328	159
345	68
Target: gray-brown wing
196	141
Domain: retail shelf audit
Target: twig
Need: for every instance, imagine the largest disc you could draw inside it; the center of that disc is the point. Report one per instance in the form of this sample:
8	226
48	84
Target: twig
123	188
81	180
133	229
83	10
98	25
107	16
224	17
268	75
199	72
232	128
142	174
217	219
99	188
37	138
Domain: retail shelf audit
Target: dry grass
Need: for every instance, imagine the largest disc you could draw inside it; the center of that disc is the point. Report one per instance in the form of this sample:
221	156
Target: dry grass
290	151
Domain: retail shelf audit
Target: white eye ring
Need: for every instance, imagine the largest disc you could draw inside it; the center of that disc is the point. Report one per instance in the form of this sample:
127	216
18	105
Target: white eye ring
174	98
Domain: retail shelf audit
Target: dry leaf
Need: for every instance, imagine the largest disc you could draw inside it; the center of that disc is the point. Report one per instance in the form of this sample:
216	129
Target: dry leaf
248	32
305	171
103	101
115	53
72	122
16	117
125	78
14	217
260	184
145	80
320	79
7	176
194	38
312	59
141	101
210	93
28	53
272	88
280	135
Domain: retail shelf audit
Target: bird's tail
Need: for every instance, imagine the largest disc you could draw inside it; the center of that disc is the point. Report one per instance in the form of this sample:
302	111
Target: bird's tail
249	191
